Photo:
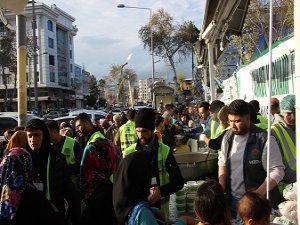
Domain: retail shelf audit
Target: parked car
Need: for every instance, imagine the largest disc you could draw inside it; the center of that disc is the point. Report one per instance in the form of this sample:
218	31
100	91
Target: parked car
7	123
9	120
94	114
138	107
53	114
66	119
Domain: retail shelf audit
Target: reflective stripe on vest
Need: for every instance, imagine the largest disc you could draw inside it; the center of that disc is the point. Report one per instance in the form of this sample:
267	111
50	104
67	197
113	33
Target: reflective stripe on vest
287	145
163	152
214	129
68	150
128	134
94	136
48	195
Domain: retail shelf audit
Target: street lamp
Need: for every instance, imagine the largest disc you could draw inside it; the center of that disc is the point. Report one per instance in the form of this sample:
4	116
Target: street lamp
128	77
151	44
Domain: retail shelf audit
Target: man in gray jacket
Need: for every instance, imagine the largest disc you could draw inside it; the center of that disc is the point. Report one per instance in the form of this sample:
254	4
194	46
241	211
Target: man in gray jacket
243	158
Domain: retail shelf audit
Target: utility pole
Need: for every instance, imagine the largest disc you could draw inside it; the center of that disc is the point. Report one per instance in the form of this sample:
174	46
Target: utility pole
36	101
21	69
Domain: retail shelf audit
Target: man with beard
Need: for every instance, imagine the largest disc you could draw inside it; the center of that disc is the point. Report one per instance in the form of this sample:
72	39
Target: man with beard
243	158
166	176
96	167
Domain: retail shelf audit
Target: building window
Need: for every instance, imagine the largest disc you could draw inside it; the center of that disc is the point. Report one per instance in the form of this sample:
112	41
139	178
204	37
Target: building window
50	42
71	68
50	25
3	29
71	54
52	76
51	60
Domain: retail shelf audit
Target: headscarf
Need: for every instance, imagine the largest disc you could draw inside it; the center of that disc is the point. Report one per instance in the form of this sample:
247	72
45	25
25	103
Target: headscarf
14	167
132	183
18	139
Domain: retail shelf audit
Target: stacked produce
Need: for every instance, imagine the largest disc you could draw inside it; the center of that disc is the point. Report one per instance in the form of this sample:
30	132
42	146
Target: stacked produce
185	197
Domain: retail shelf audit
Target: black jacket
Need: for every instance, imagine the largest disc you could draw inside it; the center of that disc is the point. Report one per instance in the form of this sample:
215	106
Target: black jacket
60	185
34	209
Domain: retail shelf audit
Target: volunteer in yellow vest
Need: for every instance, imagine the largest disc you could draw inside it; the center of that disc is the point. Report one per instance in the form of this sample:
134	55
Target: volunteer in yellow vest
67	146
96	167
283	129
127	135
166	176
215	143
213	130
262	121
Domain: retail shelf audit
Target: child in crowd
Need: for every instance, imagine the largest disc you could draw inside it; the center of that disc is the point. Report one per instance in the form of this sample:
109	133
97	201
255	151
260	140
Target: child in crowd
210	206
254	209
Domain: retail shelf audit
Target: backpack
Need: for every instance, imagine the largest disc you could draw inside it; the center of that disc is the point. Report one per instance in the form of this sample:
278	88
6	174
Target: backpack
134	211
105	156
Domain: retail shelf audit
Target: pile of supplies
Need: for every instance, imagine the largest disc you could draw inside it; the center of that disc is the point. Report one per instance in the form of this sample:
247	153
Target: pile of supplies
288	209
184	198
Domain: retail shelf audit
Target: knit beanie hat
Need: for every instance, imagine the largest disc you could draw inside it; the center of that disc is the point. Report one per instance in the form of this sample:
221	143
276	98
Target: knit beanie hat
287	104
145	118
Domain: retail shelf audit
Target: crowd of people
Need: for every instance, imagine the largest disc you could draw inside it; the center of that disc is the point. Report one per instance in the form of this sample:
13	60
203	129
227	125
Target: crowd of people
122	170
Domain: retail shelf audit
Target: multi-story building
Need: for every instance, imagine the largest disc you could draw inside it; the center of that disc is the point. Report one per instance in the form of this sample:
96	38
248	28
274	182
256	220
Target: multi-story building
77	85
144	89
58	78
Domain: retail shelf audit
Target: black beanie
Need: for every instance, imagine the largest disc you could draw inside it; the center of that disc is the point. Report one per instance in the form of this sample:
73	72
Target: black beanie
145	118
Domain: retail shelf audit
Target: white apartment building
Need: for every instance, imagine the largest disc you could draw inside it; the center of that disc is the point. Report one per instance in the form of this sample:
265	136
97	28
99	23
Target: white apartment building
59	80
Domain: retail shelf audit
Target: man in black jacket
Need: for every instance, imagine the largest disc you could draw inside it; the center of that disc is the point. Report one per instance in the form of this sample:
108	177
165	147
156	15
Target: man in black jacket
50	173
166	177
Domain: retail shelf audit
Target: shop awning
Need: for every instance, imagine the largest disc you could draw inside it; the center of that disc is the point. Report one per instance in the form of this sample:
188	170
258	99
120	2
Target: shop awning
221	19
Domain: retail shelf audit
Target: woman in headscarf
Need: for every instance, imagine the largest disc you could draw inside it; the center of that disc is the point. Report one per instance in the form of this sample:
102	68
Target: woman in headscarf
132	189
132	184
21	202
18	139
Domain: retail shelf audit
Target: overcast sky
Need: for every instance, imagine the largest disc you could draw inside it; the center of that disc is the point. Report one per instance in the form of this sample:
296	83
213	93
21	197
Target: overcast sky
107	34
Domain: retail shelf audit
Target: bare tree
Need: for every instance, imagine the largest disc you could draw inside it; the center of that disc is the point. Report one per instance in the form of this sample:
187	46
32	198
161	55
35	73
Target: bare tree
8	63
120	78
256	26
